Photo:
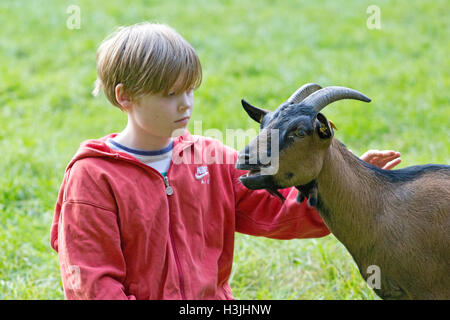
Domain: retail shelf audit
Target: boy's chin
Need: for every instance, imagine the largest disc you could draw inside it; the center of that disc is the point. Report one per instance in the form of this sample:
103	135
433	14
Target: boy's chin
178	132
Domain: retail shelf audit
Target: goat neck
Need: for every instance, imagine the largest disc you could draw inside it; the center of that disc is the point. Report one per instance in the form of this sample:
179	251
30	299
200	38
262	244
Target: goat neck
345	185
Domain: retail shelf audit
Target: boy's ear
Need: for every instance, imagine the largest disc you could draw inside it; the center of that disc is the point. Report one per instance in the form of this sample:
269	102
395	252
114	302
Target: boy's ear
122	97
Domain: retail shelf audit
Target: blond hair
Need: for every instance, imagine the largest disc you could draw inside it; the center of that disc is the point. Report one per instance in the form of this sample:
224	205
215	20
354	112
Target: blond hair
147	58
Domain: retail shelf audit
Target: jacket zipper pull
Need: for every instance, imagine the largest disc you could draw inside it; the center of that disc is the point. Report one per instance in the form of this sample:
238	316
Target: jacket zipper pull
169	189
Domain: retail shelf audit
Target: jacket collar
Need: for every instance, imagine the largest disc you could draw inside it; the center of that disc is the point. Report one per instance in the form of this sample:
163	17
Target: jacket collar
184	141
99	148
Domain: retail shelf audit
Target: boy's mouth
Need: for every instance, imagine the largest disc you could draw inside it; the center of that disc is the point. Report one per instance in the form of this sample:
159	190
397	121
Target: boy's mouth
185	119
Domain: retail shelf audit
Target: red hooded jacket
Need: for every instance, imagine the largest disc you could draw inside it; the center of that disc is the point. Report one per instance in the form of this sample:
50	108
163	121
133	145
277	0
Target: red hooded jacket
123	231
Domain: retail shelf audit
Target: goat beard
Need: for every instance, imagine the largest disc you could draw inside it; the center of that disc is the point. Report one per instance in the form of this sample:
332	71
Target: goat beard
308	191
276	193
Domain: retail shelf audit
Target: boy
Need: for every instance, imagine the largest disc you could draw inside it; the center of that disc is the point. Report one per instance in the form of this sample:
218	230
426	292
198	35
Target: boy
130	223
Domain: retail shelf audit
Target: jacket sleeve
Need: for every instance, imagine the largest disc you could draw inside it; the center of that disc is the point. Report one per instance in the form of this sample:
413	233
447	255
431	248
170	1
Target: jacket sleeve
259	213
88	242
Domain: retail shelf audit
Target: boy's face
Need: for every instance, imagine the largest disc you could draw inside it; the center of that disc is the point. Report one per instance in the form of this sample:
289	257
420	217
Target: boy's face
163	116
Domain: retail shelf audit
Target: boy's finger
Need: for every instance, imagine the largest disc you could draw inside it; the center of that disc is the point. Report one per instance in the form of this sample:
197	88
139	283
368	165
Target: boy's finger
392	164
371	153
387	153
389	158
380	158
382	162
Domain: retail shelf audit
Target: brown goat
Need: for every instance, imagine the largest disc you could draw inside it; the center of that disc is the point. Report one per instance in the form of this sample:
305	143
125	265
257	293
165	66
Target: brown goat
396	220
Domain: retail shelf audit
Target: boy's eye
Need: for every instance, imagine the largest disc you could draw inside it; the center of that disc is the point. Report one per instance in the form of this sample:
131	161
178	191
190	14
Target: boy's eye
173	93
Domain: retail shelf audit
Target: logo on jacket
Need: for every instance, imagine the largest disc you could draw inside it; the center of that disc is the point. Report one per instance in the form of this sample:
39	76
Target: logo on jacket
202	172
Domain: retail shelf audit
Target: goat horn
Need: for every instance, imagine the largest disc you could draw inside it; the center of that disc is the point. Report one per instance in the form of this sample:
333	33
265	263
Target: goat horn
302	92
320	99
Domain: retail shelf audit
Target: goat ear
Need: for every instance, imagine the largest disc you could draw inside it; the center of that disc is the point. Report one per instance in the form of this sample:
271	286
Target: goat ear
255	113
323	127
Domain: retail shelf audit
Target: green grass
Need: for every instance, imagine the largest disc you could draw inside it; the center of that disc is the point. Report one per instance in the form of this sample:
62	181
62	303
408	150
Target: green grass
260	52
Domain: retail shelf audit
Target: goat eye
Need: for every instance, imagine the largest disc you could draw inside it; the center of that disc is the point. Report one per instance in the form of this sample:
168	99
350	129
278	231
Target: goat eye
296	134
299	133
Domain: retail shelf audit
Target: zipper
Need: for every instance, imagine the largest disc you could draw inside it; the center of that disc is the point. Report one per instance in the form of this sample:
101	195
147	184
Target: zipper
169	192
169	189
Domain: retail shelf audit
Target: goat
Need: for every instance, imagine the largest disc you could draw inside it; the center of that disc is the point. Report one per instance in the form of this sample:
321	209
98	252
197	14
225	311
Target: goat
398	220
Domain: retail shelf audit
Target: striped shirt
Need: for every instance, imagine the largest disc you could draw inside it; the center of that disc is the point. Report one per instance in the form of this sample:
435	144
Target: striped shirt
157	159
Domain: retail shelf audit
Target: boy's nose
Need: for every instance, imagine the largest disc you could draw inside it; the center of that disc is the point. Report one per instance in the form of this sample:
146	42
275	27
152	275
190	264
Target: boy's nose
186	102
184	106
182	109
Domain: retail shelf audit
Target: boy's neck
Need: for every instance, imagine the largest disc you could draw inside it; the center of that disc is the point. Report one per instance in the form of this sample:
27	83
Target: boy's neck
134	138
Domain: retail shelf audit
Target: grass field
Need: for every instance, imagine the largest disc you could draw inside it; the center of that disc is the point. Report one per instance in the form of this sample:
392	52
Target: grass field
260	52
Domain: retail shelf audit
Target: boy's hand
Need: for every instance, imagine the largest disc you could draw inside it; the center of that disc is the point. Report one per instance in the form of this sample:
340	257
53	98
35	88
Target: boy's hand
386	159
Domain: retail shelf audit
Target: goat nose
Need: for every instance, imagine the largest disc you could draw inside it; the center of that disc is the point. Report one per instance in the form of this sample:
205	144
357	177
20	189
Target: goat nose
244	157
